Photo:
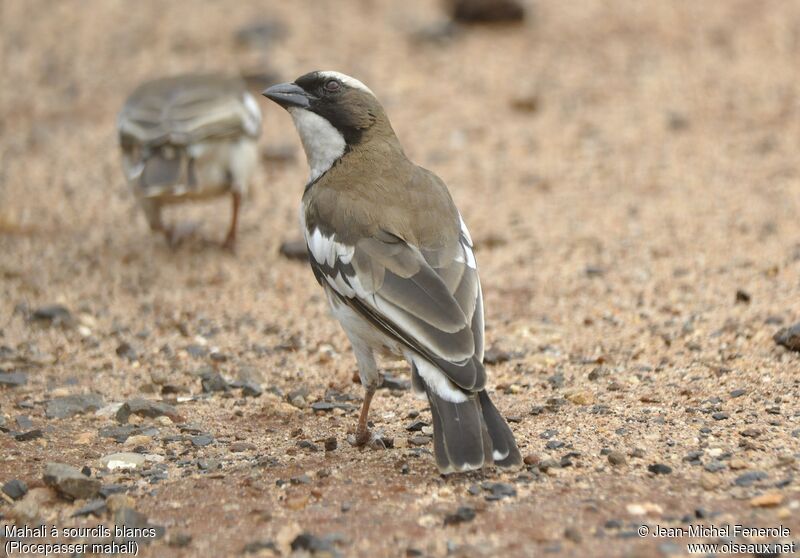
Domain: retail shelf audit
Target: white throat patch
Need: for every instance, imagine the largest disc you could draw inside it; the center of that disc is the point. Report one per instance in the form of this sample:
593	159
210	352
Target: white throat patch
322	142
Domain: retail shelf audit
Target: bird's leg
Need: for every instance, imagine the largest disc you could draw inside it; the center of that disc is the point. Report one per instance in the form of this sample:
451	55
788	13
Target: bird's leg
362	430
230	240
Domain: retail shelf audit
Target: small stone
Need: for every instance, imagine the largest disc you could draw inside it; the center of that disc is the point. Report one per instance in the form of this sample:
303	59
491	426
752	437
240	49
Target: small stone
416	426
96	507
714	466
71	405
139	440
581	398
743	297
15	489
53	314
331	443
554	444
13	379
617	458
125	350
214	382
419	440
237	447
646	508
124	460
789	337
255	547
118	501
531	459
69	481
659	469
736	464
313	544
573	534
148	409
395	383
462	515
768	500
495	355
720	416
29	435
738	393
294	250
486	11
202	440
498	490
749	478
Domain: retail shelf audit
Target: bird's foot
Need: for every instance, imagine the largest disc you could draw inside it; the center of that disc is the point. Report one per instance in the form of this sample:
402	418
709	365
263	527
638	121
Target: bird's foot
367	439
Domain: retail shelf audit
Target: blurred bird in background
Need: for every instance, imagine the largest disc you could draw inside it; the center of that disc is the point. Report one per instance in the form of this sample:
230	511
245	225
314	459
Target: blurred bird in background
189	137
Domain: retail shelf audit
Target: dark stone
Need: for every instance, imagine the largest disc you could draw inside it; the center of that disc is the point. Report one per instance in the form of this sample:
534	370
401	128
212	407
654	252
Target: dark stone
714	466
202	441
96	507
13	379
554	444
462	515
331	443
71	405
749	478
486	11
329	406
53	314
312	543
416	426
15	489
498	490
294	250
738	393
659	469
720	416
495	355
214	382
148	409
29	435
125	350
743	297
70	482
789	337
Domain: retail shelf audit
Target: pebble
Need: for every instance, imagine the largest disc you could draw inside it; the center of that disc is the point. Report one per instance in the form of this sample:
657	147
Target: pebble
294	250
255	547
720	416
124	460
416	426
331	443
15	489
768	500
486	11
148	409
714	466
581	398
13	379
617	458
789	337
462	515
53	314
214	382
659	469
29	435
531	459
749	478
237	447
125	350
495	355
646	508
70	482
71	405
709	481
202	440
96	507
498	490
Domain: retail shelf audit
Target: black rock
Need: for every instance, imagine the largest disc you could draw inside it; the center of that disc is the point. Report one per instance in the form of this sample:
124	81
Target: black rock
416	426
749	478
202	441
148	409
214	382
659	469
294	250
125	350
720	416
70	482
789	337
96	507
71	405
738	393
714	466
13	379
554	444
29	435
331	443
329	406
53	314
250	388
461	515
495	355
15	489
743	297
486	11
314	544
498	490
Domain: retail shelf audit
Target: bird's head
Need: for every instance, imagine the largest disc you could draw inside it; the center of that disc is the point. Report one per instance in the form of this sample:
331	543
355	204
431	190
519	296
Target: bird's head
332	112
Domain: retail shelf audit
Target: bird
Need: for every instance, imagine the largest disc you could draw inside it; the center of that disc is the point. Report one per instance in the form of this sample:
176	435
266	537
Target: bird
189	137
396	261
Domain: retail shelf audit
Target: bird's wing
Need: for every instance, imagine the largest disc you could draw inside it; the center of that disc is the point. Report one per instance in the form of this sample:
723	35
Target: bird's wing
429	301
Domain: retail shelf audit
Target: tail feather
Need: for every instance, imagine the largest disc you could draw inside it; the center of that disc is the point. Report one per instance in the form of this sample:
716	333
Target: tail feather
468	434
504	448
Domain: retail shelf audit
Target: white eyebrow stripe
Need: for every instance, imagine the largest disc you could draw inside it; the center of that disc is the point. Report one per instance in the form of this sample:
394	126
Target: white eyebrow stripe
347	80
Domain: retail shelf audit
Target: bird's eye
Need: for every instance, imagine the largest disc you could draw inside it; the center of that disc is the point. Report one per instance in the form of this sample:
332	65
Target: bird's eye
332	85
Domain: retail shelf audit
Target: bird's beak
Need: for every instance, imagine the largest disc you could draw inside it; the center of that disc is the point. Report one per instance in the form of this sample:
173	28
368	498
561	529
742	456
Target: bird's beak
288	95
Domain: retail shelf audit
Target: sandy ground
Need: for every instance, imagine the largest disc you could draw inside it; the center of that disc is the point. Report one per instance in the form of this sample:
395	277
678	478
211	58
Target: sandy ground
625	168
